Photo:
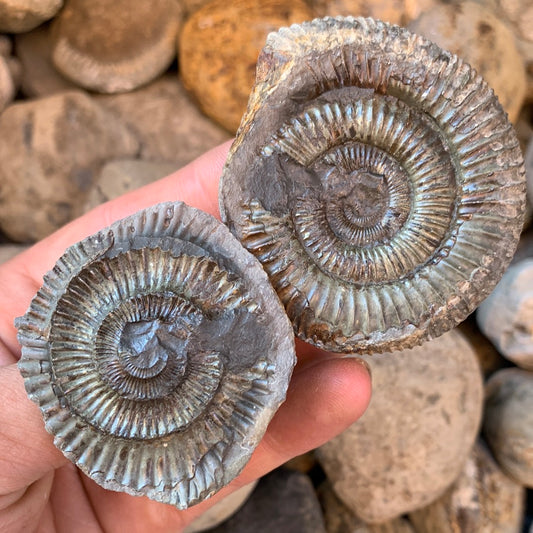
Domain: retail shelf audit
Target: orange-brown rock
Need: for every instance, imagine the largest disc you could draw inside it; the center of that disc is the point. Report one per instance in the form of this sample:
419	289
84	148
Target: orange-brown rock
475	33
218	50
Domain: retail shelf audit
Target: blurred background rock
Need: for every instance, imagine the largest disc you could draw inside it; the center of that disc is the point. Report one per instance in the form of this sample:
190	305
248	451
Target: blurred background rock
99	97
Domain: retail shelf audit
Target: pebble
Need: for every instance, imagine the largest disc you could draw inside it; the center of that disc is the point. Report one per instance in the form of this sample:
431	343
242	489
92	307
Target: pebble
489	358
506	316
17	16
218	50
474	32
415	436
222	510
283	501
482	500
7	85
508	422
6	46
124	175
386	10
39	76
339	519
115	46
51	152
520	14
169	125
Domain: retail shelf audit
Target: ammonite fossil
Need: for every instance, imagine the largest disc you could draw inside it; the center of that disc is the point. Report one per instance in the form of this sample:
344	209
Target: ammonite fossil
378	181
158	353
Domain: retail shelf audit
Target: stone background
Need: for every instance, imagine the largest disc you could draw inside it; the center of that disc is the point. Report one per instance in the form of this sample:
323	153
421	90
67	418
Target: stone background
98	98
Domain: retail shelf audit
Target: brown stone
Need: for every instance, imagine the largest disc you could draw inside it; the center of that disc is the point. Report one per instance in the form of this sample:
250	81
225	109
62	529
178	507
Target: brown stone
39	76
169	125
121	176
482	500
506	316
7	85
115	46
489	358
302	463
5	45
520	14
51	150
283	501
218	50
339	519
222	510
481	38
508	422
385	10
8	251
17	16
415	436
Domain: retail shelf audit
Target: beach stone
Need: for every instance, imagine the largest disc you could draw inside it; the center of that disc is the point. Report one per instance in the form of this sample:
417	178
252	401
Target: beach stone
222	510
17	16
519	13
6	46
302	463
115	46
7	85
506	316
339	519
51	152
489	358
474	32
169	125
219	46
508	422
385	10
124	175
482	500
8	251
416	434
282	501
39	76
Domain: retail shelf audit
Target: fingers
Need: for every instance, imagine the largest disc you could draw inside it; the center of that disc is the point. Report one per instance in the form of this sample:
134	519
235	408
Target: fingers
323	400
196	184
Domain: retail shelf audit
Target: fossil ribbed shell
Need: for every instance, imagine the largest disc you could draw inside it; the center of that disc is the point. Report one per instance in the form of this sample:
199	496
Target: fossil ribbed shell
158	353
377	179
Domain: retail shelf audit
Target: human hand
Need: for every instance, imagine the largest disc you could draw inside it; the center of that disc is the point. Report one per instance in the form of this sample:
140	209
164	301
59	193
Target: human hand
41	490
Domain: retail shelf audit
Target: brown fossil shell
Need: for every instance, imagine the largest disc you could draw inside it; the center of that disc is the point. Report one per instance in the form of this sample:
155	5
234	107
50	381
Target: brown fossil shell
377	179
158	353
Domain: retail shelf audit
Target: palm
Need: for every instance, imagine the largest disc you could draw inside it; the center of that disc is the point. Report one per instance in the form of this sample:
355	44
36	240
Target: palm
41	490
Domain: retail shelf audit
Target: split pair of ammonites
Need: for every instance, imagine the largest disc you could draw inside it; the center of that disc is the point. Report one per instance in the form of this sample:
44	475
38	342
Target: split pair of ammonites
380	189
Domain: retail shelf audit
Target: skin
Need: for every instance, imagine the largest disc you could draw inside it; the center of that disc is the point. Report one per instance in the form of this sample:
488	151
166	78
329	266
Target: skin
40	490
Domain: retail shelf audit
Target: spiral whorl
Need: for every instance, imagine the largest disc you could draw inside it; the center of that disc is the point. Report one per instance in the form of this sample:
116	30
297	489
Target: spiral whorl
157	355
377	179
